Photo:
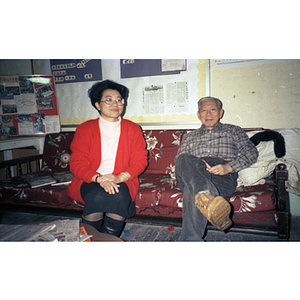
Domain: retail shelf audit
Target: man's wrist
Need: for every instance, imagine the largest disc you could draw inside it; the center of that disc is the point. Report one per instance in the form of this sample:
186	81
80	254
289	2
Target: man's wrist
228	168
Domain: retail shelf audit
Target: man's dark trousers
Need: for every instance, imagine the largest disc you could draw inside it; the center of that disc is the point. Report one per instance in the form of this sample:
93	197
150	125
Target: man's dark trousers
192	177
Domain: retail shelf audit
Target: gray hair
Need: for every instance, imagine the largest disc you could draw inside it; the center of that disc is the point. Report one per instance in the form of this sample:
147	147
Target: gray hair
219	102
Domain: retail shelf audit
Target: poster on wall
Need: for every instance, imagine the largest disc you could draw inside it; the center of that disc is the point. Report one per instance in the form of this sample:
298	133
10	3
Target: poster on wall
76	70
28	105
131	68
171	98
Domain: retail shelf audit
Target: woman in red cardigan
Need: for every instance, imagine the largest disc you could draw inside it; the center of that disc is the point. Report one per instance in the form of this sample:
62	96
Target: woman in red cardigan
108	154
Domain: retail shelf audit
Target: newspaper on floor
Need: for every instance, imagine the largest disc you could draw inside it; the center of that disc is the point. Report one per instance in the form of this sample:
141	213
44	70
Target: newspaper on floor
23	233
55	231
64	231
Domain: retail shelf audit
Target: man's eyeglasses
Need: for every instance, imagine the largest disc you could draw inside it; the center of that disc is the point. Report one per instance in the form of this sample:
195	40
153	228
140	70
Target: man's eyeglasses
110	101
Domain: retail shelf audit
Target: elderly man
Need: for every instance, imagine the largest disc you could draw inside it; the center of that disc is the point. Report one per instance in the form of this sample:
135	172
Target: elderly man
207	165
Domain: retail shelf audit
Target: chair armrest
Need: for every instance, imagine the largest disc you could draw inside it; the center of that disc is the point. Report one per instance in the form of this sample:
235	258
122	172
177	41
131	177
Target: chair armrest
281	176
7	164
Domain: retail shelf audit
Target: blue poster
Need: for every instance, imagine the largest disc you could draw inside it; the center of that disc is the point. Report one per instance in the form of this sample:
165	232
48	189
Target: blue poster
76	70
131	68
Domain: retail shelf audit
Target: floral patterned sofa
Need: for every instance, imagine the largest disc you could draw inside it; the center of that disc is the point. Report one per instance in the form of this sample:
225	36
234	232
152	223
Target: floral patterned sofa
261	207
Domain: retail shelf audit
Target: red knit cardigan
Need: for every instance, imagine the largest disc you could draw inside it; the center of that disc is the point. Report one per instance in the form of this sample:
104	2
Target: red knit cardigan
85	159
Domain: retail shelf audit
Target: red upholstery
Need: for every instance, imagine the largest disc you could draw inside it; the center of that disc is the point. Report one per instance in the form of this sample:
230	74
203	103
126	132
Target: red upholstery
253	198
57	150
17	191
162	190
162	146
158	194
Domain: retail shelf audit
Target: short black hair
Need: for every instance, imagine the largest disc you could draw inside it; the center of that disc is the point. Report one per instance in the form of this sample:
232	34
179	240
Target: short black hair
96	91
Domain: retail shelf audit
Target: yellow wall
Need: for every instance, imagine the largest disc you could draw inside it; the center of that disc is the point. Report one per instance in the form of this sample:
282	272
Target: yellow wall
265	95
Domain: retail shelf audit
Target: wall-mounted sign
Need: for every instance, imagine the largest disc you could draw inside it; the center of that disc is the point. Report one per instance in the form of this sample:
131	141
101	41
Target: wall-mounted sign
76	70
131	68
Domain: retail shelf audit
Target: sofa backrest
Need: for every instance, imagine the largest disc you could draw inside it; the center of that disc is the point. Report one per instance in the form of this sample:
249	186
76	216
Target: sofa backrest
162	146
57	151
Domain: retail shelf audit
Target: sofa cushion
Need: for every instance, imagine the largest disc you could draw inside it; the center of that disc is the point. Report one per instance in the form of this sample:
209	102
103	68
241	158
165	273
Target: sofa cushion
147	195
163	146
162	190
253	198
18	191
158	189
57	151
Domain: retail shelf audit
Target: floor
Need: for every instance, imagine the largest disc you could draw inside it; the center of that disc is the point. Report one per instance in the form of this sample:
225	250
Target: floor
147	233
134	232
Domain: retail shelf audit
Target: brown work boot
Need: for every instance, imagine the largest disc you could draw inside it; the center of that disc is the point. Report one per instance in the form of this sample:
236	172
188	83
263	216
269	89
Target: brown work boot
215	209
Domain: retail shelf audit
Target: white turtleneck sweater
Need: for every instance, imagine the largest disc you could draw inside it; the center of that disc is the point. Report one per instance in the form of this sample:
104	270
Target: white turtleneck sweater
110	133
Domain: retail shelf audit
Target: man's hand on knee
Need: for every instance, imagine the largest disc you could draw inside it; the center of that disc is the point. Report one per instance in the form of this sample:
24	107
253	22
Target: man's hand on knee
218	169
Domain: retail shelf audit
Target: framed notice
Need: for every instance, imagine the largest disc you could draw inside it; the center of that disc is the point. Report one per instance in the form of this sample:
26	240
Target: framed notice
28	105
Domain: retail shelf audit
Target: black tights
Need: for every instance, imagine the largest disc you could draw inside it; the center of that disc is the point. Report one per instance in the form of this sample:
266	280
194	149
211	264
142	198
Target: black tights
112	223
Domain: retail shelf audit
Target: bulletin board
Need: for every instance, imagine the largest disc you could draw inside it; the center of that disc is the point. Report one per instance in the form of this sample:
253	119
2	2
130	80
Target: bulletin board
28	105
163	92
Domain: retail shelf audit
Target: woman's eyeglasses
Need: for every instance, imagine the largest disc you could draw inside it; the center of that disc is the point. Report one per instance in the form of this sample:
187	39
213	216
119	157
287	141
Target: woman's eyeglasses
110	101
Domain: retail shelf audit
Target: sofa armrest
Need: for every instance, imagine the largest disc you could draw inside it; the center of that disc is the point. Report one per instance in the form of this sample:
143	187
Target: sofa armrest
18	162
281	176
